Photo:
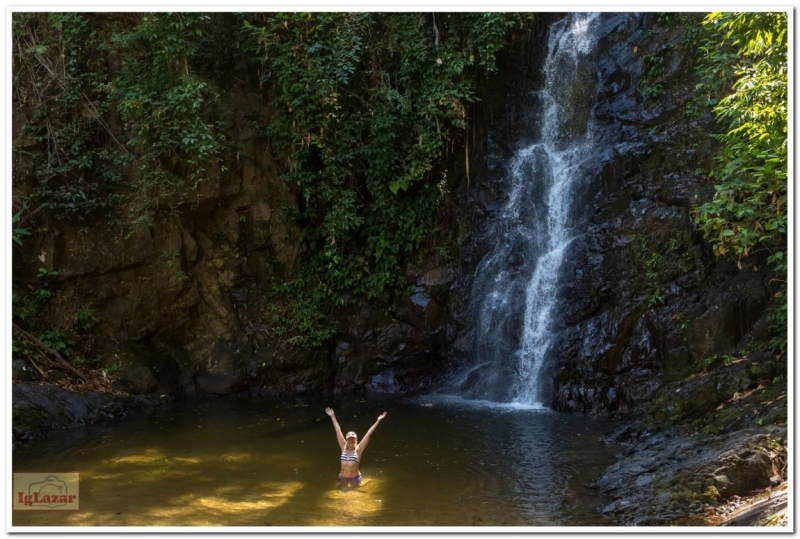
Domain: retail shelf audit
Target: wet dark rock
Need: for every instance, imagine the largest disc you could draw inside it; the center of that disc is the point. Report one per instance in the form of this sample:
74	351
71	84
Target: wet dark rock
136	380
420	298
438	276
644	480
22	371
716	468
383	381
644	304
742	470
39	410
399	348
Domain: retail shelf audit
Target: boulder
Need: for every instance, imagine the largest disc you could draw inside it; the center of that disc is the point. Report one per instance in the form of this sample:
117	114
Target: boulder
22	371
136	380
38	410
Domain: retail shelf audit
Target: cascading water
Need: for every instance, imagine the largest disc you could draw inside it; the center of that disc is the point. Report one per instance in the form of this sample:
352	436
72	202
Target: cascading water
515	290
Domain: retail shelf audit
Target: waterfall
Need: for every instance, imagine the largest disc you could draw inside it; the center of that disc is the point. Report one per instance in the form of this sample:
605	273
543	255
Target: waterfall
515	289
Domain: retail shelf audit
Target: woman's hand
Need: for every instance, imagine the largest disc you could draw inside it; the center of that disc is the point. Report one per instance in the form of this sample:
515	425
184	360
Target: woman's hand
368	435
329	411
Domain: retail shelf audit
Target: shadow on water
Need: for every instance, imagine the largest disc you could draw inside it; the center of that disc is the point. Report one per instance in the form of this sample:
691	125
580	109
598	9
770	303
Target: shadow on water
261	463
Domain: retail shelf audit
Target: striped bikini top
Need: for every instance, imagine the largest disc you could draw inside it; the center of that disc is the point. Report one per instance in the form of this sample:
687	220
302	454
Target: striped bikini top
349	458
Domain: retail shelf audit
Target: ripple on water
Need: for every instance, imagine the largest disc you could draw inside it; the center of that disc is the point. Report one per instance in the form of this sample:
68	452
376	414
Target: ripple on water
458	401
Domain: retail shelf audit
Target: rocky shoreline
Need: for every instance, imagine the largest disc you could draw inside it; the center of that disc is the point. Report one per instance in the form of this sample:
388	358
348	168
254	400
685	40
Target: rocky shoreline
670	478
39	410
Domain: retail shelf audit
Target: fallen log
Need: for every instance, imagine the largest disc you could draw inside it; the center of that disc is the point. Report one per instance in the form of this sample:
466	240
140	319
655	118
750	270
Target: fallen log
765	508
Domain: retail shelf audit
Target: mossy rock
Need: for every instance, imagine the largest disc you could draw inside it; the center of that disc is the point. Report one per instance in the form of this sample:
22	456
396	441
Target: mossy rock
710	495
136	380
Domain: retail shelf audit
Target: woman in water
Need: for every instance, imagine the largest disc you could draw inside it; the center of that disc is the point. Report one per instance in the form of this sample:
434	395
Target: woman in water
349	475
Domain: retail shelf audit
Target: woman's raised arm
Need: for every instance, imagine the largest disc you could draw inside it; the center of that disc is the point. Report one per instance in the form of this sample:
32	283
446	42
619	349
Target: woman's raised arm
363	444
339	435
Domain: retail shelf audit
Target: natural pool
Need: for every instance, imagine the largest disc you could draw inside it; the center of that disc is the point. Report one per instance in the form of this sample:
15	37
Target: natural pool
232	462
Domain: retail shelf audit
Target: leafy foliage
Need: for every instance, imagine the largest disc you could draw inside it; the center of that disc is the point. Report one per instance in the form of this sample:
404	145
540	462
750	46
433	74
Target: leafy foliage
56	76
122	111
653	70
175	140
367	105
71	337
58	341
18	233
85	168
748	51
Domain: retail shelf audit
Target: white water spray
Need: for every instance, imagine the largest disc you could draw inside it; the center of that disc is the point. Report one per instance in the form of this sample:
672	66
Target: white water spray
521	273
566	141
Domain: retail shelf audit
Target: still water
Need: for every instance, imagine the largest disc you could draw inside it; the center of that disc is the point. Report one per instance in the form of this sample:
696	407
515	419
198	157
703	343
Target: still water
431	462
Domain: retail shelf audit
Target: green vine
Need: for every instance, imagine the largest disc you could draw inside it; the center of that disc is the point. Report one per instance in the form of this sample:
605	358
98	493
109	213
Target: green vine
745	60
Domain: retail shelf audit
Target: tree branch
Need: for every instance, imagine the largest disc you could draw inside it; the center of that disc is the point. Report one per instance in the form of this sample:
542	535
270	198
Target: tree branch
59	358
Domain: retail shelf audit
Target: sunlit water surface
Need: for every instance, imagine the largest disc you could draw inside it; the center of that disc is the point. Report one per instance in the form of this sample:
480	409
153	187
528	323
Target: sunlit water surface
432	462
